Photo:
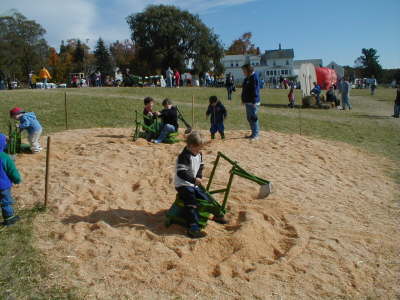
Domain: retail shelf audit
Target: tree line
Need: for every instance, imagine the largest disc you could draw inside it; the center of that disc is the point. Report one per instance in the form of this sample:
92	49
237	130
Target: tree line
162	36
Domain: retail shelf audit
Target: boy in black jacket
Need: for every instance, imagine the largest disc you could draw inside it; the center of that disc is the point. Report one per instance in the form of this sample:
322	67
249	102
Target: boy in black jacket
218	114
188	178
169	116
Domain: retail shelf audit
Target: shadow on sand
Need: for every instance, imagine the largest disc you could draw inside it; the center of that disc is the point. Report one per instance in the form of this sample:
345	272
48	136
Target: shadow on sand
113	136
138	219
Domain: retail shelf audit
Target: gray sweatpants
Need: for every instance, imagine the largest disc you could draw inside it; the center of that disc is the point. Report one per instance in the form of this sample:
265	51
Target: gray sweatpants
34	141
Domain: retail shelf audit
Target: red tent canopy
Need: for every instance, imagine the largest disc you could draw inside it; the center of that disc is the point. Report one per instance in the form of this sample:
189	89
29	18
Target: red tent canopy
326	77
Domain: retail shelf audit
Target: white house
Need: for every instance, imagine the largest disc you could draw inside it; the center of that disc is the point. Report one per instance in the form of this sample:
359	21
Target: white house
271	65
277	63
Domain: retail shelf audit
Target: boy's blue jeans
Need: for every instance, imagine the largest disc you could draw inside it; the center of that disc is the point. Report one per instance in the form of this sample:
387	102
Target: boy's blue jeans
189	195
217	127
6	202
252	118
167	129
346	102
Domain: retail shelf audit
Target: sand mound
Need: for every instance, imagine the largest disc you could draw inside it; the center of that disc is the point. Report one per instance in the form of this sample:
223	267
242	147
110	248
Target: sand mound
328	231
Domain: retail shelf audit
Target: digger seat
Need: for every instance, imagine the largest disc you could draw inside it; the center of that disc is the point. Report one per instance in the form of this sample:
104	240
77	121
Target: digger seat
176	214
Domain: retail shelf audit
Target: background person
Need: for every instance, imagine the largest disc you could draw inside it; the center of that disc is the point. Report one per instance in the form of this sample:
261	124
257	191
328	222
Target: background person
373	84
230	85
345	91
251	99
397	103
44	75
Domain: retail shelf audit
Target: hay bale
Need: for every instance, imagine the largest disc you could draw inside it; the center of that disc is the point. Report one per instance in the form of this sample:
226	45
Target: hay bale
308	101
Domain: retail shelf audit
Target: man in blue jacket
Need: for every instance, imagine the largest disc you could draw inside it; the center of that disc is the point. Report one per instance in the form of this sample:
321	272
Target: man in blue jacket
8	175
251	99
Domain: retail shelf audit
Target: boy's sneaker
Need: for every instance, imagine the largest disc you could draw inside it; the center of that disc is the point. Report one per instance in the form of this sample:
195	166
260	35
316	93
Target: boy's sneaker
222	135
11	220
254	138
212	136
196	234
220	220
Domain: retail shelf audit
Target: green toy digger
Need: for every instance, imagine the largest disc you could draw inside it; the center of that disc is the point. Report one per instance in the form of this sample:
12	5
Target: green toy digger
153	130
14	145
175	214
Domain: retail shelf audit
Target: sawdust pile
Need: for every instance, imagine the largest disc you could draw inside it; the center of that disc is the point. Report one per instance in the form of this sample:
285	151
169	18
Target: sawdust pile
329	230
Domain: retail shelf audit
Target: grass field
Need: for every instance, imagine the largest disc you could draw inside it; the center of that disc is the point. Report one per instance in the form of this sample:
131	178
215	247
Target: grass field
23	273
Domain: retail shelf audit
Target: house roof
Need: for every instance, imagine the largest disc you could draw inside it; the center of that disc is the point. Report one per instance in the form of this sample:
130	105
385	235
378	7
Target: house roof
315	62
282	53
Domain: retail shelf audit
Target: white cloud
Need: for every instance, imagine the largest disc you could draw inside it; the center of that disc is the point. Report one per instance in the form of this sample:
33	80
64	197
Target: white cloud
85	19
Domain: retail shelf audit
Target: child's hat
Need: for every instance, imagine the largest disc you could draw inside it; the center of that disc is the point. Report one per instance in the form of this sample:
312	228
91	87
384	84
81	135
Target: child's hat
16	111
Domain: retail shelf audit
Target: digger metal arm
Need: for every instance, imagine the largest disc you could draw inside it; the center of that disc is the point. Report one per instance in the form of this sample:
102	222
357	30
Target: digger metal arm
236	170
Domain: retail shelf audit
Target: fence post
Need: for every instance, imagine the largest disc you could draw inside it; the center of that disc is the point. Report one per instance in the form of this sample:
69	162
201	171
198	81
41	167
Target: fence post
66	111
46	186
193	111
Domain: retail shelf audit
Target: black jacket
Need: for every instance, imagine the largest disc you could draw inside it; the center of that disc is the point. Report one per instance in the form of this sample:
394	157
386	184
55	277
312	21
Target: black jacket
218	113
170	116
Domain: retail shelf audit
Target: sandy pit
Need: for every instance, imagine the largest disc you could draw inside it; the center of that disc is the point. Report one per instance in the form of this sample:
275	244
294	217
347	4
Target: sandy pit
329	231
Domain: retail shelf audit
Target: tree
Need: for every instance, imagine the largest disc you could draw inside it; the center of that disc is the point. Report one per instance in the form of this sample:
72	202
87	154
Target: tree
79	56
243	45
369	64
22	46
165	36
122	53
103	59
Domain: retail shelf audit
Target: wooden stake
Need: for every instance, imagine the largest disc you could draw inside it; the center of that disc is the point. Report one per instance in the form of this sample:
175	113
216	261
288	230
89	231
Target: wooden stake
300	119
66	111
193	111
46	186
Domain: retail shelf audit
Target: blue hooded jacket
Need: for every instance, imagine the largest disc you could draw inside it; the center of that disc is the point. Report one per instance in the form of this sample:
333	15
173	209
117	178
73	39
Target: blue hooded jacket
29	122
8	172
251	89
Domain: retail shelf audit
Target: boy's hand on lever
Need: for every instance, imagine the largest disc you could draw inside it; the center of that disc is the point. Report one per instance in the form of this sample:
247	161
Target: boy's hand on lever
198	181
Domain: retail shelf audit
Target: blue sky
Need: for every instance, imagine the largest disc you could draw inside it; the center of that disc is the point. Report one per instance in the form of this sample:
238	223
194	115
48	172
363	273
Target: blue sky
334	31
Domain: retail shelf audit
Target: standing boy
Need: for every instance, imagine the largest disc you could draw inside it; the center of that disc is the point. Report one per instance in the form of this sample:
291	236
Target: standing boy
397	103
218	114
251	99
8	175
28	121
188	178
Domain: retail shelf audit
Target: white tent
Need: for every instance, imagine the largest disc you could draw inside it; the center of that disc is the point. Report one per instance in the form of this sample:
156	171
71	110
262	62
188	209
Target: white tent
306	77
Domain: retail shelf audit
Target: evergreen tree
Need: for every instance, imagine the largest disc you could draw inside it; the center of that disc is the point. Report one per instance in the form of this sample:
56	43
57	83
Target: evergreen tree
369	64
79	56
103	59
62	48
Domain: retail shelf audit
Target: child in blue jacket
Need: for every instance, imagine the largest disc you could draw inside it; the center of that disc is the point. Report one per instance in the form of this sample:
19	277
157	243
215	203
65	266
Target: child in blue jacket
218	114
28	121
8	175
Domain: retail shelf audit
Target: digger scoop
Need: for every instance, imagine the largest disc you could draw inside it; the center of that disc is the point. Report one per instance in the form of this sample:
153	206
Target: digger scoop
265	190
